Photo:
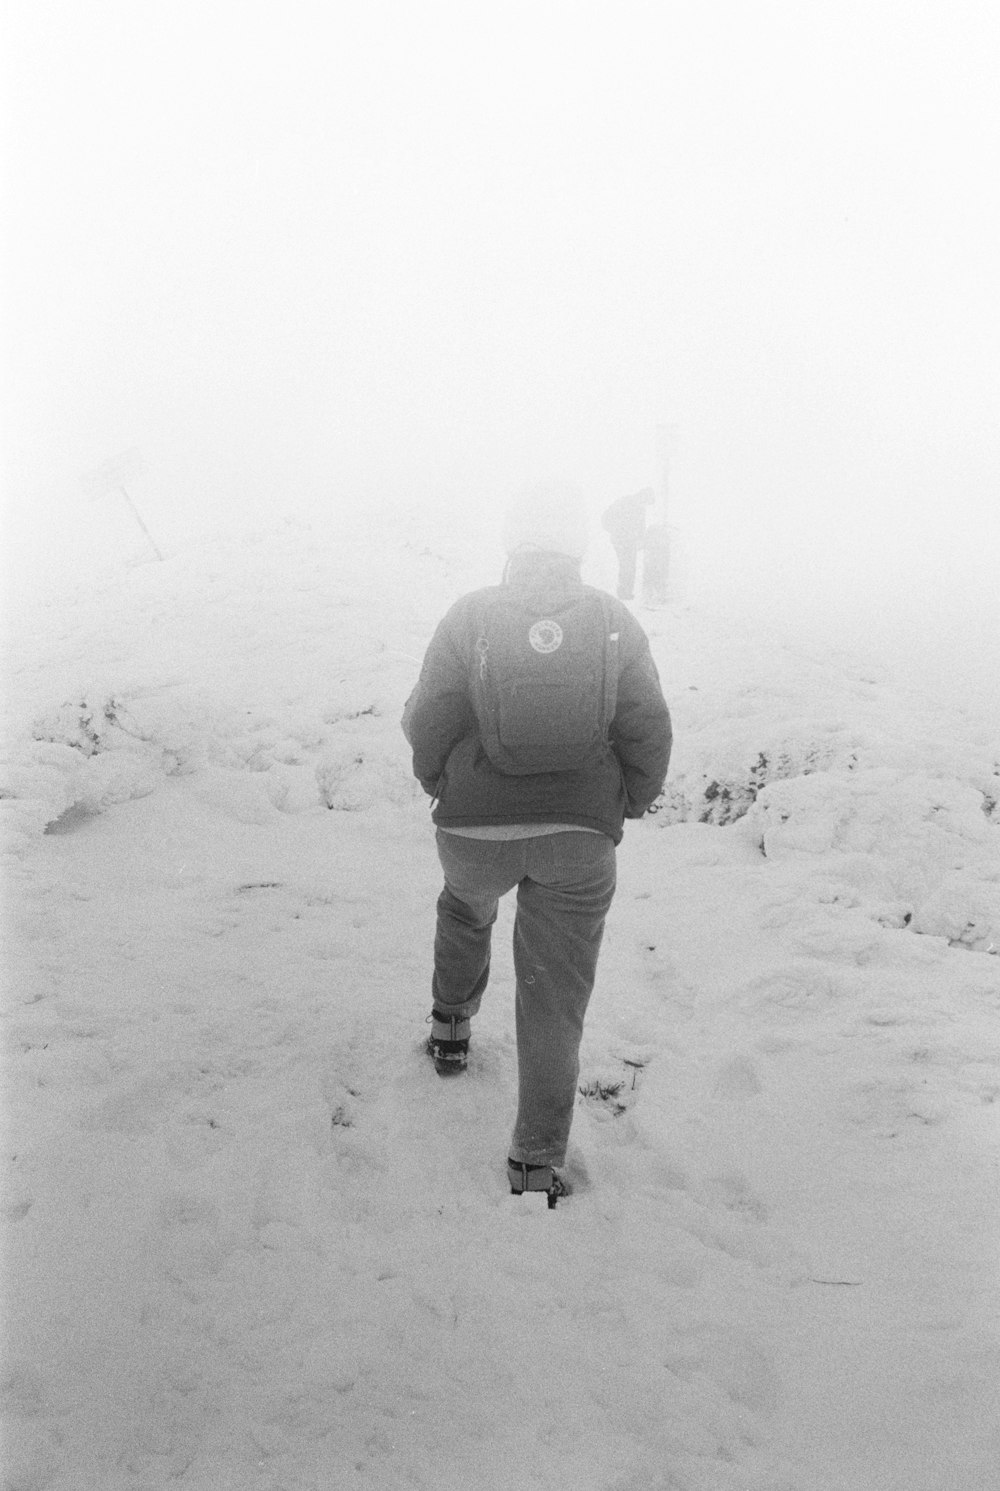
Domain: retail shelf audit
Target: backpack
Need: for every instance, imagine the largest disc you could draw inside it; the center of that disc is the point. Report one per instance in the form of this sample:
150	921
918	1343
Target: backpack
544	688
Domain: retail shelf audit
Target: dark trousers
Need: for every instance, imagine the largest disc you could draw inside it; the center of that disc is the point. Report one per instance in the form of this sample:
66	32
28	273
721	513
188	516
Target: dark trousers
628	554
565	884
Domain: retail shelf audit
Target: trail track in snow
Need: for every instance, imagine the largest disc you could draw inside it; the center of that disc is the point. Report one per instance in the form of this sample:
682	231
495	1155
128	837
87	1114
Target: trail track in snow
299	1232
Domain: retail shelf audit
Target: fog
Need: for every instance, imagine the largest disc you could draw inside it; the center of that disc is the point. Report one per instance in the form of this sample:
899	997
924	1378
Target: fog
320	257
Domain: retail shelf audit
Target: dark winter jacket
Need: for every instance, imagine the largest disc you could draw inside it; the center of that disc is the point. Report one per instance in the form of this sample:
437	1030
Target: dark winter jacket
448	755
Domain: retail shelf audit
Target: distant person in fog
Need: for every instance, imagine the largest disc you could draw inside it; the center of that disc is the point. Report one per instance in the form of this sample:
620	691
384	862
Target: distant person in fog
625	522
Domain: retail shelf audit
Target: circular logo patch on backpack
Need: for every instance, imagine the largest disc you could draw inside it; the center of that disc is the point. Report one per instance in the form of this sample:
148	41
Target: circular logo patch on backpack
546	636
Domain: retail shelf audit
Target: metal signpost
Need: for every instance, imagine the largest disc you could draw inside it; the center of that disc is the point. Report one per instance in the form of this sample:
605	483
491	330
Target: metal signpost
114	476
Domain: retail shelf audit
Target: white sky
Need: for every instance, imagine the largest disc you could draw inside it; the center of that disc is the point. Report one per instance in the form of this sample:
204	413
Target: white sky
326	251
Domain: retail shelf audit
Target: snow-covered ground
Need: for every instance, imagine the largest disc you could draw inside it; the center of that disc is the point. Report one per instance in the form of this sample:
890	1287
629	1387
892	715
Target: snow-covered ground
253	1243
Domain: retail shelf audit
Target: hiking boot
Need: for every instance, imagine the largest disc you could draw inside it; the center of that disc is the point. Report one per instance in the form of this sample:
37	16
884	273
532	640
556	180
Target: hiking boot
536	1178
448	1043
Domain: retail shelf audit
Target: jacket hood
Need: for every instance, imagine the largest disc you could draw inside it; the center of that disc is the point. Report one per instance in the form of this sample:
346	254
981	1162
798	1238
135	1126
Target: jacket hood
543	581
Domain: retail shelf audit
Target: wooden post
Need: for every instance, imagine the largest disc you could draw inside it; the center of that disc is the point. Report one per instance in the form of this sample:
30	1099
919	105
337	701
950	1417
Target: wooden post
656	558
666	442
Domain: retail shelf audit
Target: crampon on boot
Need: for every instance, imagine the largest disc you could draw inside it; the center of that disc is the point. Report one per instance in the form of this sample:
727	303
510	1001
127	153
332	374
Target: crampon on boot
448	1043
536	1178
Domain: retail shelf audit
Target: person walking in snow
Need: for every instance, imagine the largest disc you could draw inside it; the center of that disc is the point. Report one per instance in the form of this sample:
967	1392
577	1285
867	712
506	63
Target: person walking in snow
537	726
625	522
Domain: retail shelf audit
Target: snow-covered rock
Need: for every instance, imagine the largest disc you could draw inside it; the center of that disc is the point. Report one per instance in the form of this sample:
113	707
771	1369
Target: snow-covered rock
921	841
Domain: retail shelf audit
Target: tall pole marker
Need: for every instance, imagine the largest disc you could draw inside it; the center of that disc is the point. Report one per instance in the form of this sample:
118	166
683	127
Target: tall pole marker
116	475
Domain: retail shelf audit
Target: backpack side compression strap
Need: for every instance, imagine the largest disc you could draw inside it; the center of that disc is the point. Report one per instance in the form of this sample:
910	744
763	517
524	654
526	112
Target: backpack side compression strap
612	665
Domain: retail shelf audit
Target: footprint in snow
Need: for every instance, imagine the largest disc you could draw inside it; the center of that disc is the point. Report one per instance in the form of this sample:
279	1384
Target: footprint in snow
737	1078
734	1192
187	1209
16	1211
887	1106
